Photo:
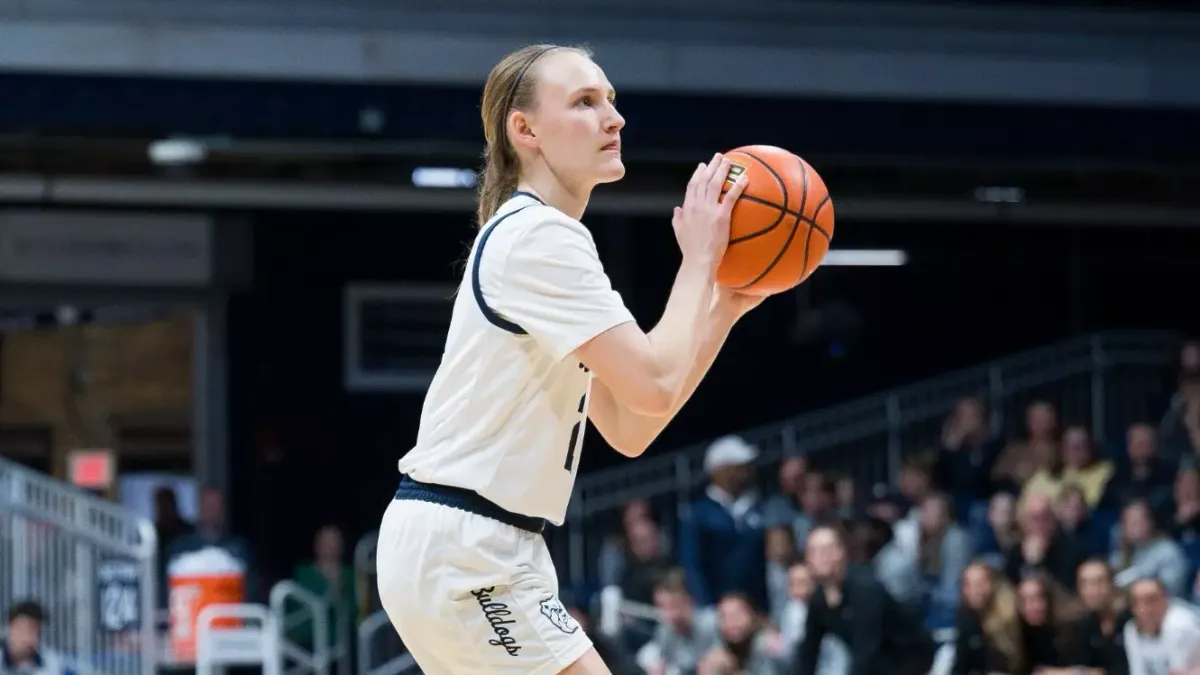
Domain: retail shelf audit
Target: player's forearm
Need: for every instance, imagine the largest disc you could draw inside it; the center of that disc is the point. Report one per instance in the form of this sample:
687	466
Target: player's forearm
677	339
639	431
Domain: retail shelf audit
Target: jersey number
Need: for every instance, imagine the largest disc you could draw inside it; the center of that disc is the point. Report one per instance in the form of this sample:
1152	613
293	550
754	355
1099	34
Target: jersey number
577	429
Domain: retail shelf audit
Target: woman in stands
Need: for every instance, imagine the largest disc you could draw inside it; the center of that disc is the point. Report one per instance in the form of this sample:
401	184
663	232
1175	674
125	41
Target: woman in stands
464	573
1048	615
1144	551
988	636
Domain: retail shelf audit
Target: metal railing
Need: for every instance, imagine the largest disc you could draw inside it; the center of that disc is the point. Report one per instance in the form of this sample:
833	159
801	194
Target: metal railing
380	651
89	563
1105	381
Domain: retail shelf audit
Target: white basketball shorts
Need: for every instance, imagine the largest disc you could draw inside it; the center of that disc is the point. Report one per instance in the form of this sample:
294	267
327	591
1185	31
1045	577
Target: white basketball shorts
471	595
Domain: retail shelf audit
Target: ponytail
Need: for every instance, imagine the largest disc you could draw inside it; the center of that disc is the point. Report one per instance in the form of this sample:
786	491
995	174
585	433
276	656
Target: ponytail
499	180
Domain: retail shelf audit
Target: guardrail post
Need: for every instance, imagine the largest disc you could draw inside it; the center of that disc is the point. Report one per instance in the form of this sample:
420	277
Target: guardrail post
1099	404
894	451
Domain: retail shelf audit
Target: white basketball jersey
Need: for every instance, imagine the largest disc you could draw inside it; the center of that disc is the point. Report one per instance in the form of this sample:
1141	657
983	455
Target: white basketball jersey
507	409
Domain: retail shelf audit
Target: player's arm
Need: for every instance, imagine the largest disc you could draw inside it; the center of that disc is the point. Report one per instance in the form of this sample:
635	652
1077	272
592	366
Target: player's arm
631	432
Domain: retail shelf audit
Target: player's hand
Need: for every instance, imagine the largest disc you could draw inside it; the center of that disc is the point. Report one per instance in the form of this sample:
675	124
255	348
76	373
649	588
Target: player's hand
737	304
702	223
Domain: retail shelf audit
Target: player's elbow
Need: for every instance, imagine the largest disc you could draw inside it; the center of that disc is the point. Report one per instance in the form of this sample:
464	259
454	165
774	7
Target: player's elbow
652	398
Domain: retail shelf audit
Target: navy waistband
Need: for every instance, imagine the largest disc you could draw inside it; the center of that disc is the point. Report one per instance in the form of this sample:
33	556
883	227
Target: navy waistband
466	500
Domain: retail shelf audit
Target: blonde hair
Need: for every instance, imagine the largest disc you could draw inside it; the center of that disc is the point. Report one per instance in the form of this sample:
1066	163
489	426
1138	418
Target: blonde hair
999	621
510	86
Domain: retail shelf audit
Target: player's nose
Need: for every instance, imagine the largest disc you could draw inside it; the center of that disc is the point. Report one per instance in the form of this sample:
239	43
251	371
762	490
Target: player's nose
614	122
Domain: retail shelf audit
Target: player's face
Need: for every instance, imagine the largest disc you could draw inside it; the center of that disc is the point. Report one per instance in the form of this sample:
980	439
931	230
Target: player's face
576	123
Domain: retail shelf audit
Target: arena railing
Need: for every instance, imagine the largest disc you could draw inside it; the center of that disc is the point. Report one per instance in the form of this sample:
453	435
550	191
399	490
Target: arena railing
1104	380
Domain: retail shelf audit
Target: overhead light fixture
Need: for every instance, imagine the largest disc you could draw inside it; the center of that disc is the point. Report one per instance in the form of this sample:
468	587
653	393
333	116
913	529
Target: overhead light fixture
443	177
177	152
865	257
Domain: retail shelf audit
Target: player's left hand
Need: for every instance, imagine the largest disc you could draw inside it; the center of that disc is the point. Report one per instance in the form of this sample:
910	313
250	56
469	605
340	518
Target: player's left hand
737	303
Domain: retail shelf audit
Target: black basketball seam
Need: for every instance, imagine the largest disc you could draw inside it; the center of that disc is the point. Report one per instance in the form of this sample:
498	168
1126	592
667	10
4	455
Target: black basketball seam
781	207
795	225
811	222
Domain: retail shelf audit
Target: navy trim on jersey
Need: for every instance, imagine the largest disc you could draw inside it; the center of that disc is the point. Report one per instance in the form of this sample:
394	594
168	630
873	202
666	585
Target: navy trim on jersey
466	500
490	314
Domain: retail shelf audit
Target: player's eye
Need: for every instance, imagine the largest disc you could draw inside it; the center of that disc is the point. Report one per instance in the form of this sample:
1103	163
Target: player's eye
586	101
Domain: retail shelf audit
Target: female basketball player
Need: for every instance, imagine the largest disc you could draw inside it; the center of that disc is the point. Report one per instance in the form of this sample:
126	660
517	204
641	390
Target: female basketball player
464	573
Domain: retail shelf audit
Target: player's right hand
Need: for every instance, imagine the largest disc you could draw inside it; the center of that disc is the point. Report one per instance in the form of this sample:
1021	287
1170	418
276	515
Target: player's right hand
702	223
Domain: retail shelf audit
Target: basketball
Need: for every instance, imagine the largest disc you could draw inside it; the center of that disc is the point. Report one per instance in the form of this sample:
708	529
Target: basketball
781	226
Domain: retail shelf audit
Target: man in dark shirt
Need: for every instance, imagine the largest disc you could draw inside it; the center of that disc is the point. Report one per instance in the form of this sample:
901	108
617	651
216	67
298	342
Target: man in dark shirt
882	636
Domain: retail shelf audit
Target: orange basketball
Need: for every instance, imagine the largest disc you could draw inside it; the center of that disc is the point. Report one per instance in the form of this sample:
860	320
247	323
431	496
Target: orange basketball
781	225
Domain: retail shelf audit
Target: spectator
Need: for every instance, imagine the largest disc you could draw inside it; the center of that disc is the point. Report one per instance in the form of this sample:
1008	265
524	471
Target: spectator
781	555
1080	467
747	644
1186	523
916	483
967	454
1144	552
1181	425
685	632
1043	546
881	635
833	658
999	535
329	578
1022	458
1090	535
1143	475
845	497
21	652
988	635
873	542
722	542
1164	636
1098	645
818	506
613	552
646	562
784	507
943	550
1047	613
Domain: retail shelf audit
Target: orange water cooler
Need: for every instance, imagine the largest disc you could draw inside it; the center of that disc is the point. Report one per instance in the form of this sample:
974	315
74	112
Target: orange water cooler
195	581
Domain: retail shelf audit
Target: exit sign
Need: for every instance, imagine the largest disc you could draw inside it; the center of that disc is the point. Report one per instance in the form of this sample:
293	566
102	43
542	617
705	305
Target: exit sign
92	469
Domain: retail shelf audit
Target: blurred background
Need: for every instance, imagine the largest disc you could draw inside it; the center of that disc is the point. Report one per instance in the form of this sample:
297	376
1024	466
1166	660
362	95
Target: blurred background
230	231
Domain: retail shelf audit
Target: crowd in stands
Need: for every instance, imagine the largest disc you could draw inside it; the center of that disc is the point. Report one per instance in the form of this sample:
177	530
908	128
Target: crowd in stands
1042	551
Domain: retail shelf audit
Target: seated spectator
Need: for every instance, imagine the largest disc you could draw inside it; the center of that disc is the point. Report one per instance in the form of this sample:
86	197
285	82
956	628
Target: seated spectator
1098	645
1185	526
646	562
722	544
328	577
1181	425
685	632
1075	518
1143	474
1144	552
915	484
833	658
1043	546
783	508
1079	466
21	651
987	633
748	645
1000	533
1164	635
212	530
966	457
781	555
845	497
1022	458
613	552
943	551
1047	613
818	506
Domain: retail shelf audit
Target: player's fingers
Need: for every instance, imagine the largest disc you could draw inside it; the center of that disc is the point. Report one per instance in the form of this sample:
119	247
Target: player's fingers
677	217
716	178
735	191
694	182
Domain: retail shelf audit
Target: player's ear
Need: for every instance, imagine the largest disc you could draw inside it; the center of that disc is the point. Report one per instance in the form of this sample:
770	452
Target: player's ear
520	131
